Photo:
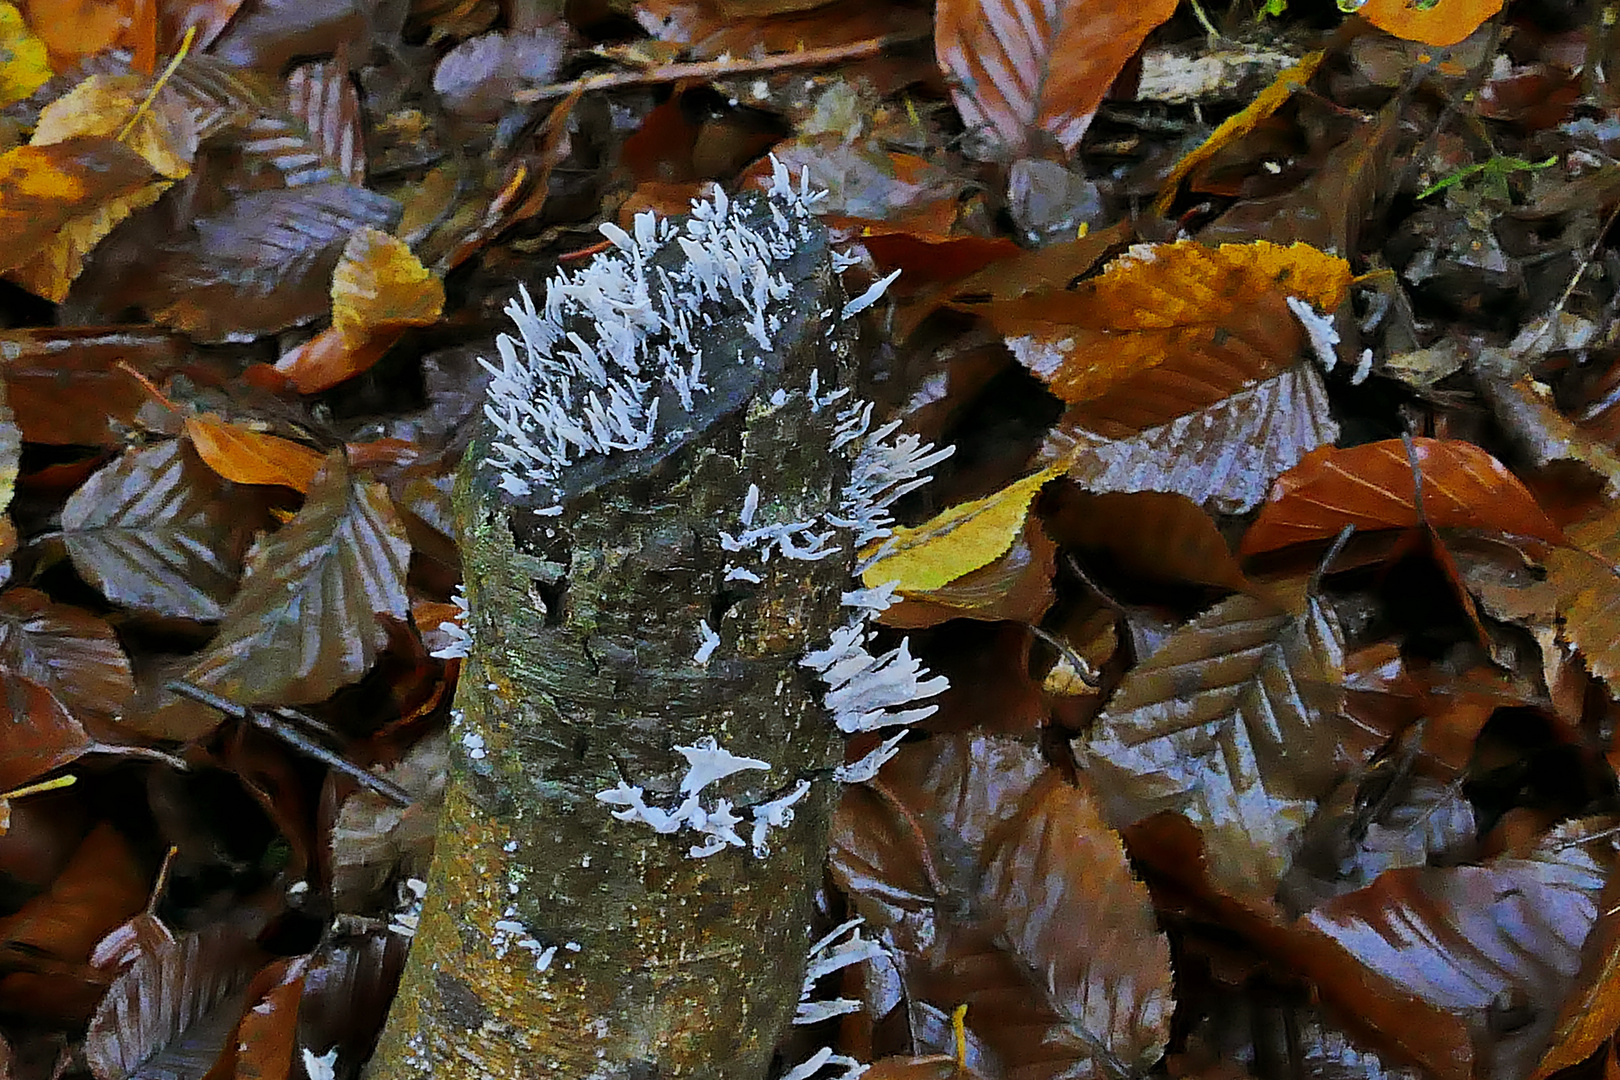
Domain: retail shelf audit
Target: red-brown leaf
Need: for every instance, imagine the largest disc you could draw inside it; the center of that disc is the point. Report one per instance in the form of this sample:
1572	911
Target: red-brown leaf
1372	487
1029	66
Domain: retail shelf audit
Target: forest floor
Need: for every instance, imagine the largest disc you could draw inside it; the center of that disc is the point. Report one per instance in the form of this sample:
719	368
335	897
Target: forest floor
1276	571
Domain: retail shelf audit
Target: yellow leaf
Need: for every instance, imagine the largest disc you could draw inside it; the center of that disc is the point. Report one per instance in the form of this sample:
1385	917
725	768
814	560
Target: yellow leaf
46	191
1235	127
1444	23
1182	305
24	63
380	285
164	136
958	541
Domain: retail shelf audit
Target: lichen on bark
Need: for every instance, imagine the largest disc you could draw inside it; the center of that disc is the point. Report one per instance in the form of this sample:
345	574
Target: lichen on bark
557	940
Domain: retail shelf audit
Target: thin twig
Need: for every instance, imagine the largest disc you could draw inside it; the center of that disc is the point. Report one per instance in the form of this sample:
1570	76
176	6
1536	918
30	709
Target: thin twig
294	738
717	69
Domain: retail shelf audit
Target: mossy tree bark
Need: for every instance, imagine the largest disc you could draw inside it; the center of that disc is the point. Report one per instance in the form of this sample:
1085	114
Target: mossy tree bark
582	674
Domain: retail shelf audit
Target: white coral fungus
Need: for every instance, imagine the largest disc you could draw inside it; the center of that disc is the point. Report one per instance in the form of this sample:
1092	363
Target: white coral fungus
1320	329
588	368
707	762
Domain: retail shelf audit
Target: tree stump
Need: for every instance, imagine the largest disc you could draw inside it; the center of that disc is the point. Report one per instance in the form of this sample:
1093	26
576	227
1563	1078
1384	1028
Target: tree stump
558	939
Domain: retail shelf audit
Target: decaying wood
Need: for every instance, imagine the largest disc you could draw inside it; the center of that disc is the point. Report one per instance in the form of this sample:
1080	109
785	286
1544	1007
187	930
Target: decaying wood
582	674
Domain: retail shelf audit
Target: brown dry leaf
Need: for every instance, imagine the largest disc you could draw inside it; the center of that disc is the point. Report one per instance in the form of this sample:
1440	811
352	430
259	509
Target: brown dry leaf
172	1006
1443	23
41	734
1235	723
305	620
47	190
1424	945
75	29
259	265
1024	69
67	385
1372	487
1160	536
153	531
322	95
1223	457
956	541
1173	305
69	651
164	134
1586	577
102	885
996	884
1235	127
1591	1015
244	456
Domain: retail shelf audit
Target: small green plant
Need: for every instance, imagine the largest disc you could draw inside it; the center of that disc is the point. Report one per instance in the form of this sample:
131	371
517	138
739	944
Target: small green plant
1495	172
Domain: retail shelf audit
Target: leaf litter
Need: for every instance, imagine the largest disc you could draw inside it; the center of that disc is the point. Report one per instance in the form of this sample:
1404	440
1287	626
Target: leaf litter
1199	803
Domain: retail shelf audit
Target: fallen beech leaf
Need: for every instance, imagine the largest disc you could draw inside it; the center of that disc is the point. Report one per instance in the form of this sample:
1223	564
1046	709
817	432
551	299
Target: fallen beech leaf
1235	722
380	285
304	622
75	29
26	66
1372	487
1180	305
323	96
1015	586
1586	578
173	1005
1161	536
378	289
41	734
162	132
102	885
1223	457
265	1039
244	456
1235	127
153	531
995	883
47	189
66	385
1466	941
1443	23
1589	1016
1023	67
957	541
261	263
69	651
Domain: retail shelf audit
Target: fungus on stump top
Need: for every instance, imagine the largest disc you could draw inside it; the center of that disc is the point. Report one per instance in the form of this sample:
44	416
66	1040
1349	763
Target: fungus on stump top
630	653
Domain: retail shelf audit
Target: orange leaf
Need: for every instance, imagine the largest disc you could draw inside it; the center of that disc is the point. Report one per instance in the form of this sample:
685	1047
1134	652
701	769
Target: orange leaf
245	456
1182	304
1444	23
43	189
1029	67
1372	487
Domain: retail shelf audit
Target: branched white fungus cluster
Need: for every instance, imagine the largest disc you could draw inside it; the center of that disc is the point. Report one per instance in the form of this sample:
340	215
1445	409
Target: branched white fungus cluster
585	376
707	762
559	396
1324	338
841	948
456	629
